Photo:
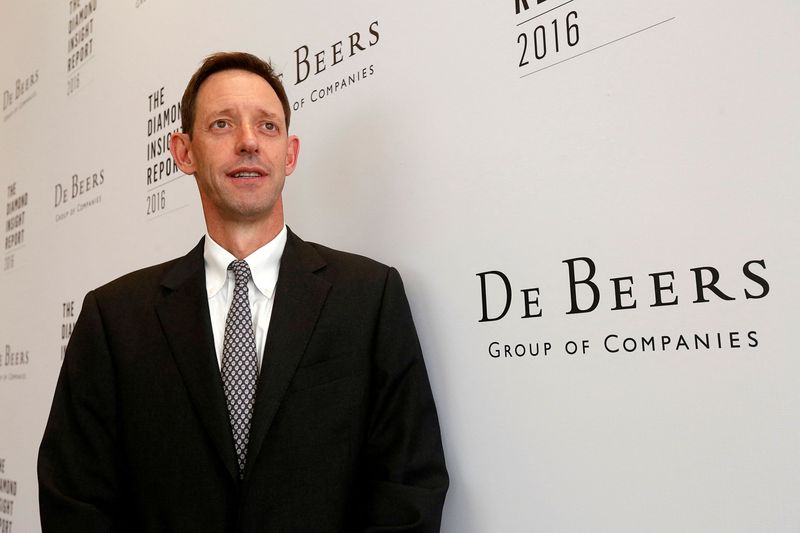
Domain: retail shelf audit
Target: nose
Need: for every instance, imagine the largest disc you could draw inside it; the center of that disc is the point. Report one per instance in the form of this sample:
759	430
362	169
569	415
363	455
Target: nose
247	141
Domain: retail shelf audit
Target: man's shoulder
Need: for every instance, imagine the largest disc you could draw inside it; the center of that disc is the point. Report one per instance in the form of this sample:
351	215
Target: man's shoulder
137	281
356	279
342	257
149	280
348	265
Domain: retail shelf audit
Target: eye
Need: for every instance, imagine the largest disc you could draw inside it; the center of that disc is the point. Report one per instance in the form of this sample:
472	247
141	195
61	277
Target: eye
270	126
219	124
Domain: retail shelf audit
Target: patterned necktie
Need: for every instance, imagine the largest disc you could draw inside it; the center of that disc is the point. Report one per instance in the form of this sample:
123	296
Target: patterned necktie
239	362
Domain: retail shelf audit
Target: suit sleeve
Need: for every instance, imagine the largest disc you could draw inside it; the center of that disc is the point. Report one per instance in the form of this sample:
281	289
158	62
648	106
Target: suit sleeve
77	467
407	478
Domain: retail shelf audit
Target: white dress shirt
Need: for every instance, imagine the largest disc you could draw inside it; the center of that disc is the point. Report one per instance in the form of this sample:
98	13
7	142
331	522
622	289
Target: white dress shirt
264	265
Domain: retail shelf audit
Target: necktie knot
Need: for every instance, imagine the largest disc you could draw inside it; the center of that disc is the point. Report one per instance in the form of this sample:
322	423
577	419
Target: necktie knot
241	272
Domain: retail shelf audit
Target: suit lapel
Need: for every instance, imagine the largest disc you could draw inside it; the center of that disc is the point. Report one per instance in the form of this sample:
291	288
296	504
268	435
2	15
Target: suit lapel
299	296
184	316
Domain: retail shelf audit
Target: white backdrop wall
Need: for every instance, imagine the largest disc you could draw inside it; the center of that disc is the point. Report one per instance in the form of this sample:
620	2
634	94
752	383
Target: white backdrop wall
641	155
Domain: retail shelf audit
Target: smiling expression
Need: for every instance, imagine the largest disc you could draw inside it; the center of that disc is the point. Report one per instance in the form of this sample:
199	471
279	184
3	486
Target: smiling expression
239	150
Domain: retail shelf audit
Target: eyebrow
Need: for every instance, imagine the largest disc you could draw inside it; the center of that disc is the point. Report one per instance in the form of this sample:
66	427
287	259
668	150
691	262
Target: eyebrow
231	111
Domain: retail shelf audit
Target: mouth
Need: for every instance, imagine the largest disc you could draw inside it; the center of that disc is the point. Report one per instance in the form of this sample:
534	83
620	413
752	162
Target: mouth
247	173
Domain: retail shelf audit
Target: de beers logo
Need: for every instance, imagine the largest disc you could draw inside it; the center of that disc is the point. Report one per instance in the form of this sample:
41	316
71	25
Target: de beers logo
586	292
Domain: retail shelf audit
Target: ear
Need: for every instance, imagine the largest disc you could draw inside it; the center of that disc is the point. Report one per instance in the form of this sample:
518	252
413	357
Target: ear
292	151
180	144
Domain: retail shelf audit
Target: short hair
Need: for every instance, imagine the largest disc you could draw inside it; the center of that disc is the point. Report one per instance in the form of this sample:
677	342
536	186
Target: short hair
219	62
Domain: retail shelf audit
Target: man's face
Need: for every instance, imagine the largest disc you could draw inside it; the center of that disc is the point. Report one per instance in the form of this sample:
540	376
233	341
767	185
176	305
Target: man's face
239	152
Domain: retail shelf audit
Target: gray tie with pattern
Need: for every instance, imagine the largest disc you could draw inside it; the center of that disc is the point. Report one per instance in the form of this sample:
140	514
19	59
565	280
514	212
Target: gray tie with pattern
239	362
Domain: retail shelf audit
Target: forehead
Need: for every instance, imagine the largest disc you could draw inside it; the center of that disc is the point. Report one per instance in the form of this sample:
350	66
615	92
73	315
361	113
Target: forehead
237	89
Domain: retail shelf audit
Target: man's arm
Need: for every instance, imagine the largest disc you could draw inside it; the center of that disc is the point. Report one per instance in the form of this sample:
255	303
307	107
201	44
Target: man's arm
77	457
407	478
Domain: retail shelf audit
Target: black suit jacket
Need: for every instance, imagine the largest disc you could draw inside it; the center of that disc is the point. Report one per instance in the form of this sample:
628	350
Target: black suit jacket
344	436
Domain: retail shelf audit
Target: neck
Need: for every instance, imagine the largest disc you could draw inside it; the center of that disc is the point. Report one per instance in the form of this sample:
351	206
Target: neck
242	239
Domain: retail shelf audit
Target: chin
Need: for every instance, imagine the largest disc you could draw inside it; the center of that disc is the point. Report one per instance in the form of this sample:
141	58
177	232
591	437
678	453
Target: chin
251	212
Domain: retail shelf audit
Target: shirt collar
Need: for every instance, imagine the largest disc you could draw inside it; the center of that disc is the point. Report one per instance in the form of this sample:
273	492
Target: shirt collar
264	264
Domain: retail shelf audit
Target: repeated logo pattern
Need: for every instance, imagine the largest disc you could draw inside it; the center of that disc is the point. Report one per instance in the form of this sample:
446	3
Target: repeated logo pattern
239	362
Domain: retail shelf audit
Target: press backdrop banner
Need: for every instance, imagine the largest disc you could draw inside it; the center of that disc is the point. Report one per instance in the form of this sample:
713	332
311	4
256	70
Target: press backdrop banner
593	206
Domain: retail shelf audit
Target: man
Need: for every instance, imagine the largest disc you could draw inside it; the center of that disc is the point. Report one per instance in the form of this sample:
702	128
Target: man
201	397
